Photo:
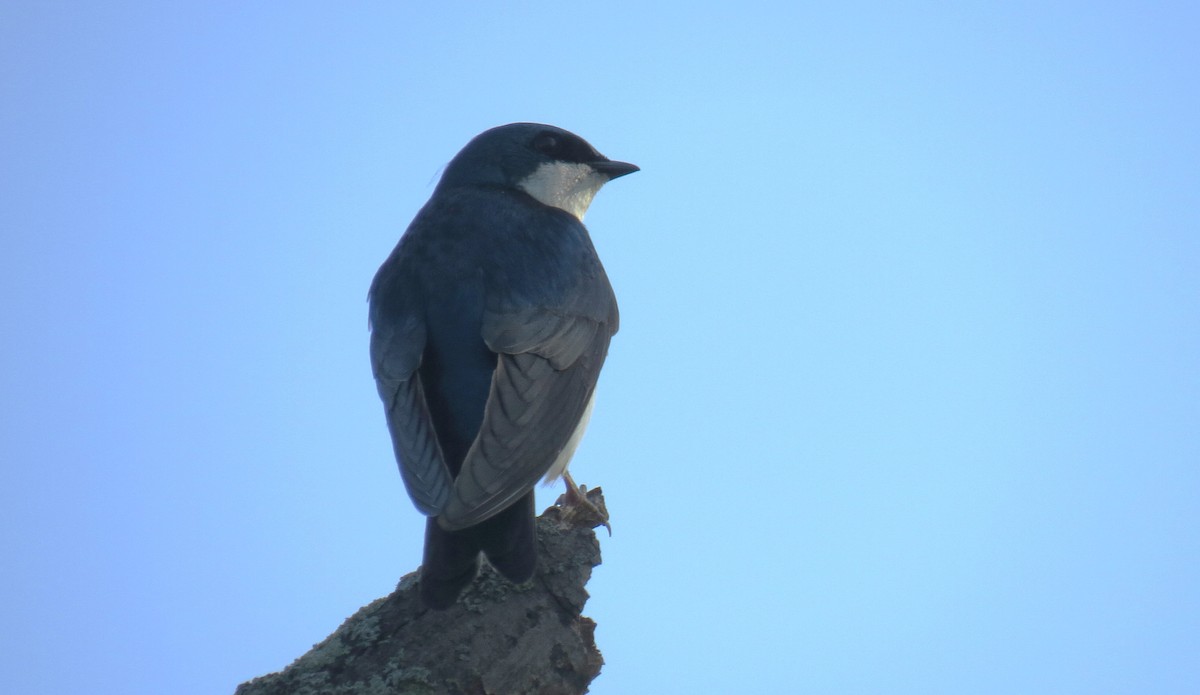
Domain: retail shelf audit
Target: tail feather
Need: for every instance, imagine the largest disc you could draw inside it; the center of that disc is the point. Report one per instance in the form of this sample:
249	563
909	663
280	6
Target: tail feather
452	557
509	541
450	564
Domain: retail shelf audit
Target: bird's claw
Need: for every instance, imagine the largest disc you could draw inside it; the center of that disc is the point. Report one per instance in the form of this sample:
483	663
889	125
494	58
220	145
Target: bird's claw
581	506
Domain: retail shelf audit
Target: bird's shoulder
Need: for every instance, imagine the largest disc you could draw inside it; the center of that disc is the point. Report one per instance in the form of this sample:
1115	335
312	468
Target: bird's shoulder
521	252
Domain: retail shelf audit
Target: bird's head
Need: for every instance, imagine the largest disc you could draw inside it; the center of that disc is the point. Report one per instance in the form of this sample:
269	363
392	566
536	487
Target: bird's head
554	166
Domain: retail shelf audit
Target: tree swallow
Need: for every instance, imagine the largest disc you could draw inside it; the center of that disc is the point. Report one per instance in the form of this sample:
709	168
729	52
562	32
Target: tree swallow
489	324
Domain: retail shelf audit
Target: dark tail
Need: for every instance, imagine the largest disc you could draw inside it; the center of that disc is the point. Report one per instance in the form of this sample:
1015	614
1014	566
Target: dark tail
452	557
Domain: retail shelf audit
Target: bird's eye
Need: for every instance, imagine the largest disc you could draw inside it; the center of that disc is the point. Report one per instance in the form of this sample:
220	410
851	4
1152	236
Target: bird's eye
564	147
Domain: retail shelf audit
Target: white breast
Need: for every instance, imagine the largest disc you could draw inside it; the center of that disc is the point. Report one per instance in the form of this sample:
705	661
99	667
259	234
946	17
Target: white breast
564	457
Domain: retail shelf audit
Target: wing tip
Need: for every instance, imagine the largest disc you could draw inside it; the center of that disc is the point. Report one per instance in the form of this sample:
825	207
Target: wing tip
430	505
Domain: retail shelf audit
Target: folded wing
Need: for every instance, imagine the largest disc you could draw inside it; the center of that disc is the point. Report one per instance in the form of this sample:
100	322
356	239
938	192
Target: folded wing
545	376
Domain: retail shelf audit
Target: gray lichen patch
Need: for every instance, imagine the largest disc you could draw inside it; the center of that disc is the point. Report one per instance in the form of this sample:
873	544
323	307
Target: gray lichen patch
498	639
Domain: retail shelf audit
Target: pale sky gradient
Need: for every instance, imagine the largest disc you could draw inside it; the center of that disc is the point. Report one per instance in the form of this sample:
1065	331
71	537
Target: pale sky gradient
906	397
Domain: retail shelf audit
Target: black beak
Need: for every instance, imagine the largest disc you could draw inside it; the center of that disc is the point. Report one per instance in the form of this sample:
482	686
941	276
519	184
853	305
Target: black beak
613	169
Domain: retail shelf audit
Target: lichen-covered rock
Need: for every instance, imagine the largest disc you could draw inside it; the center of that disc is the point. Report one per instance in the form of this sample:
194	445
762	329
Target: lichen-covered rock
499	639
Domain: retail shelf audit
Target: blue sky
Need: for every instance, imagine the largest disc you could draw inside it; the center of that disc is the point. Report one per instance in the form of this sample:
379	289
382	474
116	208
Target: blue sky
906	397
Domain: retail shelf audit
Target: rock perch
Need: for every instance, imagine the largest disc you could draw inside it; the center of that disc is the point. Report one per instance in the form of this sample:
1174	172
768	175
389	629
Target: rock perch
499	639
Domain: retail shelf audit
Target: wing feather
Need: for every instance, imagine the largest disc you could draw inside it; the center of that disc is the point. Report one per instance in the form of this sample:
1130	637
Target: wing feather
396	348
422	465
533	410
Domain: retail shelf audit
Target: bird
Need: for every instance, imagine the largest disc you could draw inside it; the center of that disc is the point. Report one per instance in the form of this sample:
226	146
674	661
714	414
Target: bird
489	324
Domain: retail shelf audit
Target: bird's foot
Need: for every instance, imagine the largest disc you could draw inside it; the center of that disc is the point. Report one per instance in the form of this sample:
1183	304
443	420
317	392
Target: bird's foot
581	506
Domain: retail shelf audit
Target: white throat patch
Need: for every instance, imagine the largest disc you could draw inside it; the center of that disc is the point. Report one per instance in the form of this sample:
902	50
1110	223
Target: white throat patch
564	185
